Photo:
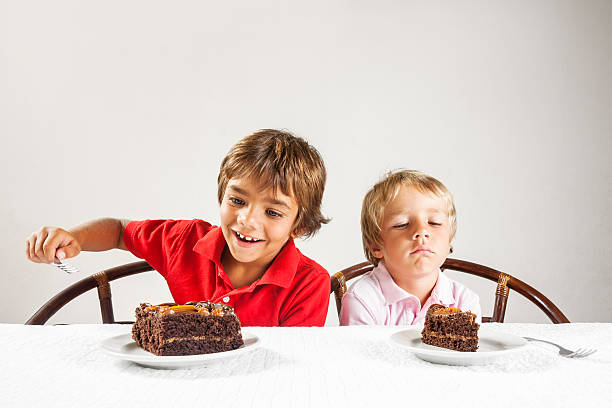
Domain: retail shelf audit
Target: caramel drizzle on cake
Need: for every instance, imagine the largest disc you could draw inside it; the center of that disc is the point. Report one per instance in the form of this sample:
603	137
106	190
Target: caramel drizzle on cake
450	336
446	310
205	308
451	310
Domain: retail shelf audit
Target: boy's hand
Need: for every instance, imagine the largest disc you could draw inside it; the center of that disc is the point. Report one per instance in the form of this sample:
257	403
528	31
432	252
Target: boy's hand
50	242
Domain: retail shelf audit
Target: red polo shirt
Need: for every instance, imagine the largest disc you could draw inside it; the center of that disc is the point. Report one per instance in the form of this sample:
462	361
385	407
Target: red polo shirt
294	291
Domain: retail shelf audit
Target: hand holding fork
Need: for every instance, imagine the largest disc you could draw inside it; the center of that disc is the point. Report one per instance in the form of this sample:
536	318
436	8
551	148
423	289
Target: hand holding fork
51	245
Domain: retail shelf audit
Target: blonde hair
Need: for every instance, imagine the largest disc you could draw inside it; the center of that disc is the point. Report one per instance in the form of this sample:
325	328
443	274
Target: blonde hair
279	159
383	192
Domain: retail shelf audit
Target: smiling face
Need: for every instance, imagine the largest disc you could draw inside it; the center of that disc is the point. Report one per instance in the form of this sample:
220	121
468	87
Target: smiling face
415	233
256	223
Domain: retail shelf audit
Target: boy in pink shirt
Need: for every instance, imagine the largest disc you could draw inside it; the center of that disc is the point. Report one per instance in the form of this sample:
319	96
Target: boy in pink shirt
408	222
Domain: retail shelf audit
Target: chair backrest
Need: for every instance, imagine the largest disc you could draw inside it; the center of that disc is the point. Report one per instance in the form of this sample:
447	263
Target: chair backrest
504	281
101	281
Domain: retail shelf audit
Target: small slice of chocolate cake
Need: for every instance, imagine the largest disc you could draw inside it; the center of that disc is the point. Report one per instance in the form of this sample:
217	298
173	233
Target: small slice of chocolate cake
193	328
450	328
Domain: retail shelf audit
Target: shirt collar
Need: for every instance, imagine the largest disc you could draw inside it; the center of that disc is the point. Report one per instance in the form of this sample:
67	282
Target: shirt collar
283	268
211	245
392	293
281	272
442	293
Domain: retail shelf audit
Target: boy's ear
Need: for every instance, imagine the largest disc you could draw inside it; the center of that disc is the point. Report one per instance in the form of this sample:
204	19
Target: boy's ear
296	233
377	252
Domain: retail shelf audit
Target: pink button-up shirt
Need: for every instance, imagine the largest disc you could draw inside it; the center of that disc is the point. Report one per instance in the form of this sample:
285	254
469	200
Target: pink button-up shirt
376	299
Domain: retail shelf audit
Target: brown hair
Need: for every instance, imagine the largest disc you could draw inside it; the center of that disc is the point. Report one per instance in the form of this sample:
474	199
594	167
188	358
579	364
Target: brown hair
383	192
280	160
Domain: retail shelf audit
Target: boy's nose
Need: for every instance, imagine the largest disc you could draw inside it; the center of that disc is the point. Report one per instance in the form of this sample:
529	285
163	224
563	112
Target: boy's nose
246	217
422	234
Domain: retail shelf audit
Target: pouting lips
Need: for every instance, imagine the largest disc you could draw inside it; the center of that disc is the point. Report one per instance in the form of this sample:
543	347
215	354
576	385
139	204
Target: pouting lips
246	238
421	249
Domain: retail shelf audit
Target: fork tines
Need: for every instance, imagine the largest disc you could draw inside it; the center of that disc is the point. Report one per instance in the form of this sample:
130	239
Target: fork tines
66	267
582	352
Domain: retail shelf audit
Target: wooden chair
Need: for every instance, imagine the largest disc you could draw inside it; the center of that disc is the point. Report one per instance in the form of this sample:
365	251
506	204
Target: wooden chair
504	281
101	281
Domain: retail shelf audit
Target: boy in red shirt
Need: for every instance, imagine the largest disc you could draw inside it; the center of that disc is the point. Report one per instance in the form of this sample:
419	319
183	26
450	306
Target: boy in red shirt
270	188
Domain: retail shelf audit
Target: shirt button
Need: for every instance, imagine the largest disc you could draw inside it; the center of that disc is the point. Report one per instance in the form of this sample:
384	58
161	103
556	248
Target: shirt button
226	299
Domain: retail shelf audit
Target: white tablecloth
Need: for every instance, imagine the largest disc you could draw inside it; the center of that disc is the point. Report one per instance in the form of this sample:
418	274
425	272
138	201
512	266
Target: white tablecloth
58	366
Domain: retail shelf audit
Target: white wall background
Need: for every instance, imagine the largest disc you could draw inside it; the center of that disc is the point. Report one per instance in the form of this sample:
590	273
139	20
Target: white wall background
126	108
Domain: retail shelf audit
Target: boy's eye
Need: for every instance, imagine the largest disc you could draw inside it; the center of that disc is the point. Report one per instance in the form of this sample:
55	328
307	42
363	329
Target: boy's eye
400	226
236	201
437	224
273	213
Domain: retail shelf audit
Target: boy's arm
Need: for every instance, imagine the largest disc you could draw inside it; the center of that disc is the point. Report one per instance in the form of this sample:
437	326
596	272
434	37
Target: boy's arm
97	235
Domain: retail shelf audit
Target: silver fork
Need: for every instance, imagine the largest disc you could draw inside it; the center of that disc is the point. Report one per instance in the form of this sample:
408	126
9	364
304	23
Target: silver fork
581	352
66	267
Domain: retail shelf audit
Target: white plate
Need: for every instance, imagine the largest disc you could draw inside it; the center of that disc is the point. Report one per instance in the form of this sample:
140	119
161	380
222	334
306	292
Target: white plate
491	345
125	348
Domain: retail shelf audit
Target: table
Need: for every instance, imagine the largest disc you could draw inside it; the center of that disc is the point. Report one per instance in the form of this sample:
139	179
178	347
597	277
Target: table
51	366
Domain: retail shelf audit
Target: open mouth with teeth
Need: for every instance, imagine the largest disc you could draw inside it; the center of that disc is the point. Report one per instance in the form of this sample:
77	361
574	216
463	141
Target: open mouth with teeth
246	238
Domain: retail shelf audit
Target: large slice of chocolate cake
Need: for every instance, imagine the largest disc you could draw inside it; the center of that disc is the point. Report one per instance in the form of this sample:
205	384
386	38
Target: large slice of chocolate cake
450	328
193	328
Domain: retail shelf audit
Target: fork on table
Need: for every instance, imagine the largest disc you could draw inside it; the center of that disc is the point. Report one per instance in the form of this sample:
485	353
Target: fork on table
563	352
